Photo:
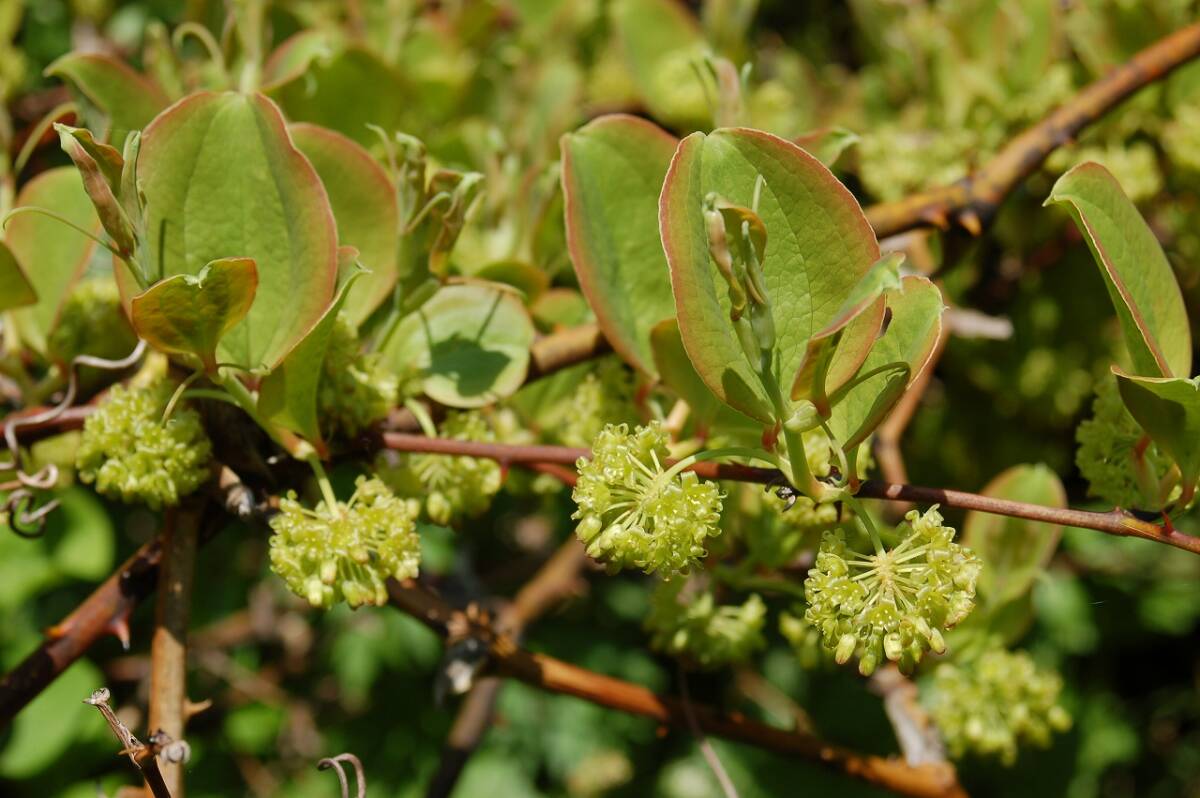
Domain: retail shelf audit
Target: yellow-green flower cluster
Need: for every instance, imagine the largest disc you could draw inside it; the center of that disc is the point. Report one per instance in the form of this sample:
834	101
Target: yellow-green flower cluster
1111	444
131	454
355	389
605	396
805	640
696	626
91	323
453	487
347	551
995	703
894	603
634	513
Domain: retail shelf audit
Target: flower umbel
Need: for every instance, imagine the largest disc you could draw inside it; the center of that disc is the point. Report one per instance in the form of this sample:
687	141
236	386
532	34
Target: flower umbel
1113	449
355	389
995	703
694	624
346	551
633	512
895	602
454	487
133	455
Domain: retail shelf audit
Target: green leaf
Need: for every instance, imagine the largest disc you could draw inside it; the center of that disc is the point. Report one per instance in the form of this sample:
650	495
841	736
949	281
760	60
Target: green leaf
129	99
1014	550
53	255
288	395
363	200
1168	409
190	315
82	535
15	289
221	180
1139	279
662	44
896	359
819	247
469	343
827	144
612	173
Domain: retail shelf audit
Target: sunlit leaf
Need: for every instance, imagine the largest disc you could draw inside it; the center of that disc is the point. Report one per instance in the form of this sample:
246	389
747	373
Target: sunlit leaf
130	100
1168	409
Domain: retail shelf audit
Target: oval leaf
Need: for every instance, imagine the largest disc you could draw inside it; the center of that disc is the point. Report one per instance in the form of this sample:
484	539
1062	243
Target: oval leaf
222	180
819	246
470	344
128	99
1140	282
364	205
188	314
612	173
1014	550
53	255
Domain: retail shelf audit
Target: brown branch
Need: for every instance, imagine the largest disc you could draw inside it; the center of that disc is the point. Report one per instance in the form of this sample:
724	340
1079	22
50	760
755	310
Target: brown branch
105	611
973	201
142	756
556	580
553	675
1113	522
168	649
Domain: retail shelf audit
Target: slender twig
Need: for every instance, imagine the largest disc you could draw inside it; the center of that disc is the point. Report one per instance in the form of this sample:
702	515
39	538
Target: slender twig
972	201
706	749
168	649
915	733
142	756
360	780
553	675
1113	522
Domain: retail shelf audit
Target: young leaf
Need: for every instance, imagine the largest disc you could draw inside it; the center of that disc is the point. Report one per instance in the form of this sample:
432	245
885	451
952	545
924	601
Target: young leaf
1139	279
128	99
222	179
1014	550
187	314
819	247
677	372
896	359
612	173
1168	409
53	255
15	288
288	395
100	166
469	343
364	206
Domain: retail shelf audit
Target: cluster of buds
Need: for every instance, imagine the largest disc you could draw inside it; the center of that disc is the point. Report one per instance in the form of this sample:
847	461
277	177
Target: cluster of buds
635	513
355	389
995	703
893	603
345	552
605	396
683	623
737	241
453	487
91	322
133	454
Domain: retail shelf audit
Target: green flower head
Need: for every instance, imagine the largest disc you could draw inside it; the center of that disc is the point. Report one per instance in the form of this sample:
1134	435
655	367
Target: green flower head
355	389
91	322
893	603
453	487
345	552
1112	450
995	703
692	623
131	454
604	396
634	513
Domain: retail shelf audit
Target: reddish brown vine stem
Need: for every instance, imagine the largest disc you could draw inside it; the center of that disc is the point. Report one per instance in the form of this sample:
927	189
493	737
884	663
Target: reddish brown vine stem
1113	522
553	675
972	201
